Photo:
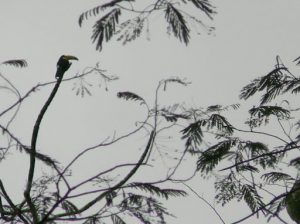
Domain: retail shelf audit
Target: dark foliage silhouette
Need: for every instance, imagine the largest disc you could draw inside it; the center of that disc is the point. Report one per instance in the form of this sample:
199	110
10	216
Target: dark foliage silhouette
177	16
52	198
251	169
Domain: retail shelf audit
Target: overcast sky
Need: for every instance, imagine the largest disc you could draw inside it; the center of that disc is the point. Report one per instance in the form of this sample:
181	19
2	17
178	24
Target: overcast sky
248	37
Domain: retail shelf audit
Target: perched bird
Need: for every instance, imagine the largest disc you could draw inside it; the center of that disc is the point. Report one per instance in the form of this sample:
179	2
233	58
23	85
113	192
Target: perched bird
63	65
293	202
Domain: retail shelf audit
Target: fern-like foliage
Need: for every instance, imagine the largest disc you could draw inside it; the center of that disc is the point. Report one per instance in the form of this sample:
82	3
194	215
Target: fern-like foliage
261	115
117	220
203	5
214	108
19	63
293	86
210	158
146	210
165	193
264	112
96	10
92	12
273	177
247	168
251	197
259	154
227	189
219	122
193	133
105	27
276	82
173	117
249	159
273	84
131	96
130	29
269	160
230	188
219	108
255	148
177	18
177	23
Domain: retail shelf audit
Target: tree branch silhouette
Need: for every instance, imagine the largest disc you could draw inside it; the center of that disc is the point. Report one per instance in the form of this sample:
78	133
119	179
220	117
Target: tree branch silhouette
34	137
16	210
104	194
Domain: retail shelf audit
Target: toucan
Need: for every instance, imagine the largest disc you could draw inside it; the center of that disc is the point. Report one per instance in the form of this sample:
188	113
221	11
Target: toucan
63	65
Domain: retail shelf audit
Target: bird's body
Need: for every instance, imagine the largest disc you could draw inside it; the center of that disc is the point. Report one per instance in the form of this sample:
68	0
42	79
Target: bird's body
63	65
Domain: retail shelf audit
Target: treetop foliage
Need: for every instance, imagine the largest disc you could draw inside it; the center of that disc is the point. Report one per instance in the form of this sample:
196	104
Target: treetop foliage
252	171
176	14
251	168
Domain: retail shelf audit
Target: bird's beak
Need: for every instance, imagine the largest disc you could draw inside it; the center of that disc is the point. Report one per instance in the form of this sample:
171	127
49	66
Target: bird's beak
70	57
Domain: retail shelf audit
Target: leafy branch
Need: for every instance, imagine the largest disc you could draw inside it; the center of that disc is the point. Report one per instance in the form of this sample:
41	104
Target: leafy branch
130	29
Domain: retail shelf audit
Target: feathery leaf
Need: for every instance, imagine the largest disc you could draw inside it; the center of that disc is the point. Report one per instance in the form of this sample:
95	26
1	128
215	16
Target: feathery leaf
273	83
255	148
205	6
130	29
246	167
219	122
266	111
131	96
210	158
273	177
174	117
96	10
166	193
141	206
177	23
227	189
105	27
193	133
251	197
20	63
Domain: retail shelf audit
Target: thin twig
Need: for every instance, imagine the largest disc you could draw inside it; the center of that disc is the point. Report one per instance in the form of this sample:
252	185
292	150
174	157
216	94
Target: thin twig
104	194
205	201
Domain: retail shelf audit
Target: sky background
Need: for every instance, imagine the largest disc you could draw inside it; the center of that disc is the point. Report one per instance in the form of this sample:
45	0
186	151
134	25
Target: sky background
248	37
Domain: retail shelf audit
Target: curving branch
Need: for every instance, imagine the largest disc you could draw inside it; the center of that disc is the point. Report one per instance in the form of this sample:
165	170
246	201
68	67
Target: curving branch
205	201
104	194
62	66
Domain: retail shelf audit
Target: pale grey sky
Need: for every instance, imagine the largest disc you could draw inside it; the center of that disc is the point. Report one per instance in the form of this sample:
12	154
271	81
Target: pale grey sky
248	36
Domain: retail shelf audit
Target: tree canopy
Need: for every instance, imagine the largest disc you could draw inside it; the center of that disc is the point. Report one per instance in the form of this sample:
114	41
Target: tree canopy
255	163
177	16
